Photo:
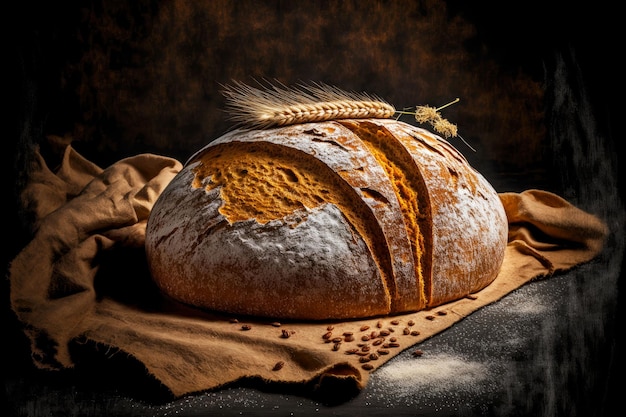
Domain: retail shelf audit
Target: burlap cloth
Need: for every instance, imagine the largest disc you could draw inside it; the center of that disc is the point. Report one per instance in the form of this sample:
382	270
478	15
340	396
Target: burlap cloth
84	277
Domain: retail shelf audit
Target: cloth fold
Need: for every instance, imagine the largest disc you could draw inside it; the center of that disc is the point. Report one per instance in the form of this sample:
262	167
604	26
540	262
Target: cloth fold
84	276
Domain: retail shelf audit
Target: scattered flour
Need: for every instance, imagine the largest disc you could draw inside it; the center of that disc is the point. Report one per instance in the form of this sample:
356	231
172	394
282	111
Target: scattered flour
437	373
531	306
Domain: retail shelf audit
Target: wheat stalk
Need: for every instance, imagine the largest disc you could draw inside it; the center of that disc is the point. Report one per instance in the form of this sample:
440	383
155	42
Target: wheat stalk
277	105
255	108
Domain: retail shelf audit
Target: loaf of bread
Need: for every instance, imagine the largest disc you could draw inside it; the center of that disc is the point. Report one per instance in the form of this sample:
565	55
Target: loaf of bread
328	220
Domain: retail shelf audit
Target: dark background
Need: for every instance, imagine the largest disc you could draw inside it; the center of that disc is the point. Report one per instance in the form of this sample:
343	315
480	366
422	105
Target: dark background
540	86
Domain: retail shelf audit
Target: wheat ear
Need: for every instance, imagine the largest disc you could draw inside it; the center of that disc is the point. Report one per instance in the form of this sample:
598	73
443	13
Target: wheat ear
256	108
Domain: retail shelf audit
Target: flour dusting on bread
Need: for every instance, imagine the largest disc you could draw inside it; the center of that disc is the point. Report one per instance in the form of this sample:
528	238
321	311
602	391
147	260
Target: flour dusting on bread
342	219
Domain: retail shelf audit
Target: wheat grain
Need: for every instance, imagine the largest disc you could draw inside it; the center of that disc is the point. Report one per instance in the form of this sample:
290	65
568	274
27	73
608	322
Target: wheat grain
256	108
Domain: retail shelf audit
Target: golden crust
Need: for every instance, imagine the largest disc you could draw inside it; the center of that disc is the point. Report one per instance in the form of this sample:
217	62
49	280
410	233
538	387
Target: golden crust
326	220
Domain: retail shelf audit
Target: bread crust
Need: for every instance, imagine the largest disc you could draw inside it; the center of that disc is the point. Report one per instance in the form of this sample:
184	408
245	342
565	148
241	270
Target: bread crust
469	225
346	254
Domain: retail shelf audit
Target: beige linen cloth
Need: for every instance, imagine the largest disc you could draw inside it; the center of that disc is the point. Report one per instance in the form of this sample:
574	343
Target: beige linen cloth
84	277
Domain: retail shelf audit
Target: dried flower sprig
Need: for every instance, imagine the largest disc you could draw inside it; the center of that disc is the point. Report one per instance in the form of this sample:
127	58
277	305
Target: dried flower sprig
431	115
